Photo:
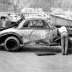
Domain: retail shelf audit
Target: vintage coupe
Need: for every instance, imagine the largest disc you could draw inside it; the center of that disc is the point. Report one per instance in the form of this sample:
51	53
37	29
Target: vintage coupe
30	32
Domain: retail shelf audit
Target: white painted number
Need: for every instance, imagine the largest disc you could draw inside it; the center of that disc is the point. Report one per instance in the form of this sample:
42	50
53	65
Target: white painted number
43	35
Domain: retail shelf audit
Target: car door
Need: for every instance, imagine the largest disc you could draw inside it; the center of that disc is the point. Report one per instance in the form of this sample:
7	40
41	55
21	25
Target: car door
25	31
40	31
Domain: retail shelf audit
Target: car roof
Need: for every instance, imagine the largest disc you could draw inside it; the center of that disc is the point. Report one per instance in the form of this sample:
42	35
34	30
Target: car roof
35	19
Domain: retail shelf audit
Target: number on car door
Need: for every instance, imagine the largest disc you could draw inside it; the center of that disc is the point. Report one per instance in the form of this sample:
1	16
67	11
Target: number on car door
40	31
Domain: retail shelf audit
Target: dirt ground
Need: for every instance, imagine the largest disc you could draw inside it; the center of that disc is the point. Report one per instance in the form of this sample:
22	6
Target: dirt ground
27	60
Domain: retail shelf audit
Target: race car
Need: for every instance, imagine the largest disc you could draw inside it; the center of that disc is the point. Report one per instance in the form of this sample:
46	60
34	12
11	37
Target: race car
30	32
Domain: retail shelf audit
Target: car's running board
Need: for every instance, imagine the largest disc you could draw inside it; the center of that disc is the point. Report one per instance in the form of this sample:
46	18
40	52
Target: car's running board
38	46
42	46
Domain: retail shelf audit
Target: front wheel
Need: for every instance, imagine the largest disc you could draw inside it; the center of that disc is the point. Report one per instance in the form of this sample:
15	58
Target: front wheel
11	43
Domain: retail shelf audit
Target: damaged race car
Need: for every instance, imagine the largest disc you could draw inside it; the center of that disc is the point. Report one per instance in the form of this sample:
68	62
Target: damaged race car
30	32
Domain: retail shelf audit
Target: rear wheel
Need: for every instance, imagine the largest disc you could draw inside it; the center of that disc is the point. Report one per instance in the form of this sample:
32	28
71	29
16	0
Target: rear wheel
11	43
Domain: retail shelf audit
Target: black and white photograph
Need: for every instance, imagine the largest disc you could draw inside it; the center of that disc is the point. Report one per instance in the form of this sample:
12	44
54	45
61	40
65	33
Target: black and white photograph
35	35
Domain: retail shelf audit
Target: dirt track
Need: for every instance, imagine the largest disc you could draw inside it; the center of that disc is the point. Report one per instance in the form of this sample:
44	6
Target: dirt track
28	61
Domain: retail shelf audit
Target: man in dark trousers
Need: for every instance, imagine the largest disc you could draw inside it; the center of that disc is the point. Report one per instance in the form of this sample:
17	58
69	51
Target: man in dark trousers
64	39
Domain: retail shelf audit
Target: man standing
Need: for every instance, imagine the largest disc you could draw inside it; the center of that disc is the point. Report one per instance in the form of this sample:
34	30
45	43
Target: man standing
64	39
6	23
3	21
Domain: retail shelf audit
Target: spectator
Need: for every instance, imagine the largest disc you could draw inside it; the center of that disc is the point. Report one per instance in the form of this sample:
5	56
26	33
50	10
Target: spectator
3	21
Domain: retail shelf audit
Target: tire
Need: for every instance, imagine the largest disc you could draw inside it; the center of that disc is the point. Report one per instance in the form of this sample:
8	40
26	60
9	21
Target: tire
11	44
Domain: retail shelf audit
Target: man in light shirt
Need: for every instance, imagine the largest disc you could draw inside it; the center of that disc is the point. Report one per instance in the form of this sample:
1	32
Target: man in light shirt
3	22
64	39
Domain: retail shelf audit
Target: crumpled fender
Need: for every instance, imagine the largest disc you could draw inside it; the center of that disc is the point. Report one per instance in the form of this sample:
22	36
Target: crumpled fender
13	34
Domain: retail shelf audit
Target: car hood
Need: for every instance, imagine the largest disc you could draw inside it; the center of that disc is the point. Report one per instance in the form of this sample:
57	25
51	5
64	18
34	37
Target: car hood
8	30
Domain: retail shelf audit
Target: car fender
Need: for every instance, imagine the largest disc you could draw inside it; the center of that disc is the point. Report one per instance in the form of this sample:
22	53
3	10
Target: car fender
12	34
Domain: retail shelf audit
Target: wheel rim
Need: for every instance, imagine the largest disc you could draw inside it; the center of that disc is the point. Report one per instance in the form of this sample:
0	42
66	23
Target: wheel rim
11	44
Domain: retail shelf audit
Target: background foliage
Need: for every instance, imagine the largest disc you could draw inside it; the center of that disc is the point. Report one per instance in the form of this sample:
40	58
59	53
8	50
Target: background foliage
45	4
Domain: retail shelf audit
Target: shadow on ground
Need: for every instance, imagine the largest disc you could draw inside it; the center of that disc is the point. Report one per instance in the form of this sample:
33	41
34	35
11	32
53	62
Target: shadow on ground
41	51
